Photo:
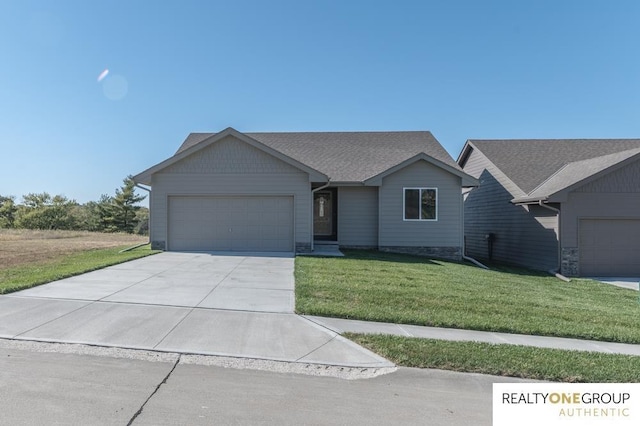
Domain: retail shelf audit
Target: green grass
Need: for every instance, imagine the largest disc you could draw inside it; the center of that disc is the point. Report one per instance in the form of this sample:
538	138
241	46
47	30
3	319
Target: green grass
27	276
374	286
504	360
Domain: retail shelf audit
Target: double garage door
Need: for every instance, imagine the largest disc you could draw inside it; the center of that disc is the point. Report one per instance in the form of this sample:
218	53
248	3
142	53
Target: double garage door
228	223
610	247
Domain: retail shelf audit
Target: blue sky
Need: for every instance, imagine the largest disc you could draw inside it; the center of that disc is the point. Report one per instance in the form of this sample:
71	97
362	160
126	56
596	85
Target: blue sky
461	69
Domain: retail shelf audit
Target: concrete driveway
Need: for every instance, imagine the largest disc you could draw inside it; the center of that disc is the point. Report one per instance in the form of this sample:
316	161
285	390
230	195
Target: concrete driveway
624	282
198	303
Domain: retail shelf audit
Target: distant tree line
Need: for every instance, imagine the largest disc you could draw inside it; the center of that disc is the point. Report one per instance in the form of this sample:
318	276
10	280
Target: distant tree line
118	213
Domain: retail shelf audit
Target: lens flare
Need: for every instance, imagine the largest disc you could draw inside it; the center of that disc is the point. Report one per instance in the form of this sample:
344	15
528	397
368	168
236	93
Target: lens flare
102	75
115	87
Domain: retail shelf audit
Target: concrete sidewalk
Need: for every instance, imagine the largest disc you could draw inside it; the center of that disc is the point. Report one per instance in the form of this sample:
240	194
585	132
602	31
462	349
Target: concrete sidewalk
343	325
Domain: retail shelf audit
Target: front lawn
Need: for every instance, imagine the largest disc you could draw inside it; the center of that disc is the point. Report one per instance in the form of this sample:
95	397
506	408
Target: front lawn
504	360
30	275
375	286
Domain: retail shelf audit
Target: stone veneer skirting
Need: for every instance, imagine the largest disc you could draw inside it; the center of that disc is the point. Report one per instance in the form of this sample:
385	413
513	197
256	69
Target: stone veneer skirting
158	245
303	247
448	253
352	247
570	261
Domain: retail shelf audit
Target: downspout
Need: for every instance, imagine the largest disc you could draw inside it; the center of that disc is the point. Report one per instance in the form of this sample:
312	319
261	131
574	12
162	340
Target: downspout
464	256
142	187
313	191
558	269
149	191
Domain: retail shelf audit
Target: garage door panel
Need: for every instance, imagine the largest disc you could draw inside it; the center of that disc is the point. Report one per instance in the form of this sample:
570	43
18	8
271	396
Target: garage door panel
239	233
239	245
231	223
609	247
271	233
254	216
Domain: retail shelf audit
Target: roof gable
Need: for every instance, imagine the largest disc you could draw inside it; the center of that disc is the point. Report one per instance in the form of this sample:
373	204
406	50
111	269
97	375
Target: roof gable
230	155
206	140
476	164
467	181
347	156
542	167
578	173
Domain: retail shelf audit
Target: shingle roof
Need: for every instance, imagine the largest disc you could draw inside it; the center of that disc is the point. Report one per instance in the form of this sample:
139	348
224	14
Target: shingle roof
544	165
575	172
347	156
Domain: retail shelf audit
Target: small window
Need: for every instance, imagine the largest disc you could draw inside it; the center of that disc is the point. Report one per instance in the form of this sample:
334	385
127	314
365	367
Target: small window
420	204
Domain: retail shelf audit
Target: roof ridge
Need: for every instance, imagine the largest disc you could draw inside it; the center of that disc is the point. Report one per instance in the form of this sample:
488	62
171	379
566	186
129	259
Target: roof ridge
341	131
352	156
552	175
553	139
319	132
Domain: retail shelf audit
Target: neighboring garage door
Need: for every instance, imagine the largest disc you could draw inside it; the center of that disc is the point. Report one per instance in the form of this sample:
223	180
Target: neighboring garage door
609	247
231	223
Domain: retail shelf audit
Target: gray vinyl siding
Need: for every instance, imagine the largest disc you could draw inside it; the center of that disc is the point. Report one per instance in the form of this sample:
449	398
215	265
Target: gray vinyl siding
625	180
609	247
358	216
613	197
616	195
446	231
581	207
232	156
231	167
526	236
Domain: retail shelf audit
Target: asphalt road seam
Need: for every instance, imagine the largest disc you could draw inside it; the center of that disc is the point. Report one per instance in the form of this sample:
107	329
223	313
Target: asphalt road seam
137	413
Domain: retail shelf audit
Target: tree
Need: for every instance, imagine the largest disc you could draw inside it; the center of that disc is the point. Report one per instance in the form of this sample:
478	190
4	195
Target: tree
142	219
87	217
42	211
119	212
8	211
35	201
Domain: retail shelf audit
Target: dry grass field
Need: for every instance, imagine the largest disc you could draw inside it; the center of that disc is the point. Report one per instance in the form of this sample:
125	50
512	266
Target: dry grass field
24	246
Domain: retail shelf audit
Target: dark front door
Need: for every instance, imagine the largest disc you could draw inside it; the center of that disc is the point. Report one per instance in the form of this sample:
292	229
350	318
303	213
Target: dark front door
325	214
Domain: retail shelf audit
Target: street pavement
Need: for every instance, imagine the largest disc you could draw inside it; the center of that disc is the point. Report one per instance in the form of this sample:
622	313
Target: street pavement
39	384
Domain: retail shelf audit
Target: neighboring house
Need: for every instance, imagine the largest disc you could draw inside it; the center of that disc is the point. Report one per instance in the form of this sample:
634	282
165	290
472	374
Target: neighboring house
568	205
394	191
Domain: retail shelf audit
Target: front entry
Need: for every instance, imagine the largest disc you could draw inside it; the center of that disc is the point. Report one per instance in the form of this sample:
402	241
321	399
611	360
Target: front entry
325	214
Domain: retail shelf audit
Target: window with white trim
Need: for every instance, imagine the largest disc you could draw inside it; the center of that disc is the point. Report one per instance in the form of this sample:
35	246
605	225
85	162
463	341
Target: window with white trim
420	203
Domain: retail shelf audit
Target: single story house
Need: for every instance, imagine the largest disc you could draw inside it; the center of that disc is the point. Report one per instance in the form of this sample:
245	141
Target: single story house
564	205
394	191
